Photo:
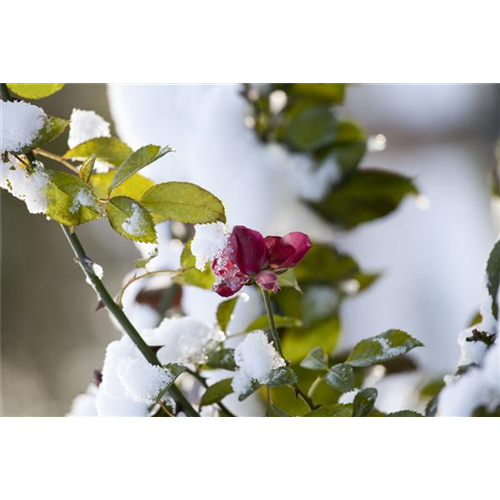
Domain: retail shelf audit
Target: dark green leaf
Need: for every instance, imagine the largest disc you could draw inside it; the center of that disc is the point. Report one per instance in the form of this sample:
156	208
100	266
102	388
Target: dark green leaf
404	413
224	313
86	169
223	359
34	90
432	407
130	219
184	202
281	376
108	149
254	386
274	411
329	93
315	360
341	377
262	323
337	410
364	402
383	347
190	275
493	276
217	391
137	161
364	196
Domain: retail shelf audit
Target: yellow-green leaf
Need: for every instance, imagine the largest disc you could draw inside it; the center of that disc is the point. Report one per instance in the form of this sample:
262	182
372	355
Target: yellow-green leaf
184	202
35	90
108	149
190	275
130	219
134	187
87	168
136	161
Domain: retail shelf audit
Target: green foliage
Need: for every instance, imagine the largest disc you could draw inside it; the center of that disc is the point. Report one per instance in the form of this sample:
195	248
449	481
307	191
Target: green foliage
223	359
184	202
86	169
274	411
137	161
281	376
317	359
337	410
217	392
190	275
364	402
224	312
404	413
493	274
341	377
52	128
63	192
108	149
130	219
288	279
134	187
364	196
253	387
34	90
381	348
327	93
262	323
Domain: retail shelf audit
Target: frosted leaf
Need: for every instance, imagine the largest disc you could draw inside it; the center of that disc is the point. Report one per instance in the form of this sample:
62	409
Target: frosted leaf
255	358
86	125
136	224
84	198
184	340
208	242
21	123
28	187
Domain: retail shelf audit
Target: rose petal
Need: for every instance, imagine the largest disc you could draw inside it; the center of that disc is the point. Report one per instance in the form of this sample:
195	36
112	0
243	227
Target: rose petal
279	251
225	290
268	281
249	249
301	244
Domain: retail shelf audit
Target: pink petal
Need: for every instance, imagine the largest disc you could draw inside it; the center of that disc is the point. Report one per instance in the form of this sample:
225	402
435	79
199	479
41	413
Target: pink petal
249	249
225	290
268	281
301	244
279	251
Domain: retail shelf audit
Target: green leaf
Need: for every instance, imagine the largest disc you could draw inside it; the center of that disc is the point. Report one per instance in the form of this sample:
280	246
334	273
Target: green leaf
432	407
130	219
404	413
217	392
142	263
137	161
190	275
281	376
69	200
223	359
311	128
288	279
183	202
52	128
175	370
349	146
86	169
364	402
493	276
253	387
224	313
337	410
108	149
297	343
274	411
329	93
381	348
134	187
34	90
262	323
364	196
341	377
317	359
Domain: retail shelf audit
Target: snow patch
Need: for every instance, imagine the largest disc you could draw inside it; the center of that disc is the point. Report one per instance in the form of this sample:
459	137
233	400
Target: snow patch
208	242
136	223
83	198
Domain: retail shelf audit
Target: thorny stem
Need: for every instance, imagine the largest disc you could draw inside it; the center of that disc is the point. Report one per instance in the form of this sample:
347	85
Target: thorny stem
277	343
110	304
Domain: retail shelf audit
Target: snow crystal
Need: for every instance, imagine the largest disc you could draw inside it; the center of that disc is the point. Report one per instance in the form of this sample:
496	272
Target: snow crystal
142	381
86	125
208	242
20	124
83	198
184	340
135	224
309	180
255	358
29	187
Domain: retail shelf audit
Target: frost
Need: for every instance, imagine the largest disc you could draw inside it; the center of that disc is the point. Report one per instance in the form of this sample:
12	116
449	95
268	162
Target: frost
183	340
29	187
136	223
20	124
86	125
255	358
83	198
208	242
388	350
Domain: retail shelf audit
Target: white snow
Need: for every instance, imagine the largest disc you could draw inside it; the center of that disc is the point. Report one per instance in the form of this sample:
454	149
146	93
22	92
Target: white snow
84	404
29	187
86	125
20	124
83	198
208	242
184	340
98	270
255	358
348	397
136	223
